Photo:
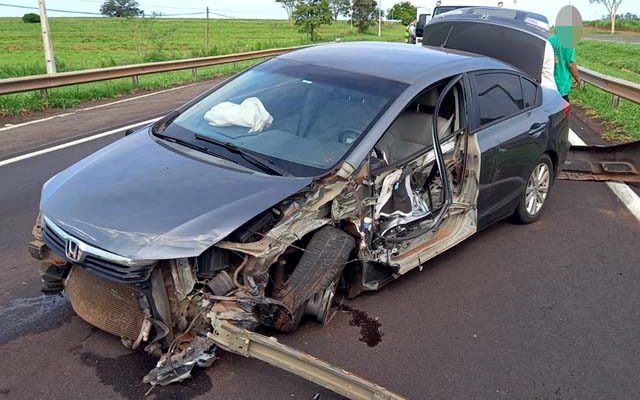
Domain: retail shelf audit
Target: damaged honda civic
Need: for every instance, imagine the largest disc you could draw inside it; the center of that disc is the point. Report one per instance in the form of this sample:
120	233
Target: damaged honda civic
337	167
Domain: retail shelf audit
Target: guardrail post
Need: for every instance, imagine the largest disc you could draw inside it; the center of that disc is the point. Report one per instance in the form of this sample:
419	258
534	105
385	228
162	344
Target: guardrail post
45	95
615	101
194	72
583	83
136	81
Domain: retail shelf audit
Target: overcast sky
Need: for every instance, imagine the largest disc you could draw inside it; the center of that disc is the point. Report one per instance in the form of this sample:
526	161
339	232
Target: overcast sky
270	9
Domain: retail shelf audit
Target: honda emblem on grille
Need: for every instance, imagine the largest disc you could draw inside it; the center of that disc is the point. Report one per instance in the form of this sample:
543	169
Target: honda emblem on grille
72	251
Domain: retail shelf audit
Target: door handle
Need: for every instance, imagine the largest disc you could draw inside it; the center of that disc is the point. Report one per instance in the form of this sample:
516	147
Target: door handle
536	129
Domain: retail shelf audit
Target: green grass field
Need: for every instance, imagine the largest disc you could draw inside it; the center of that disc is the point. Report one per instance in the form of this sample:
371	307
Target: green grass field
620	60
82	43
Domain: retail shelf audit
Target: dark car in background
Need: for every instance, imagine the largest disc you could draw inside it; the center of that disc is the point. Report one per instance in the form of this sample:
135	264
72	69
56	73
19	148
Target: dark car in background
335	167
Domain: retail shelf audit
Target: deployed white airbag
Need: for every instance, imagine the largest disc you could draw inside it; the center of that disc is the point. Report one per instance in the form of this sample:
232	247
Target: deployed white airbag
251	113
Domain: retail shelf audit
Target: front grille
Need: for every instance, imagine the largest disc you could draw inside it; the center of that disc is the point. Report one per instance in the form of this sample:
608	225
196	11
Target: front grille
110	306
53	241
103	268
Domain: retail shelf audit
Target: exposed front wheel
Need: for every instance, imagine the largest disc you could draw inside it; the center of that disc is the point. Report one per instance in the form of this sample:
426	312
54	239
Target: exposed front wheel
312	285
534	198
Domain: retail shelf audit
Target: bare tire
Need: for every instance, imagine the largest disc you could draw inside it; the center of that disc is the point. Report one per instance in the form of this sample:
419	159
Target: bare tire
534	198
315	277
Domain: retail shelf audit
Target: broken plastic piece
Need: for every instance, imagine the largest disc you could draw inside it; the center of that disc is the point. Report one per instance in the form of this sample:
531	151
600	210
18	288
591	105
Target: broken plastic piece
176	367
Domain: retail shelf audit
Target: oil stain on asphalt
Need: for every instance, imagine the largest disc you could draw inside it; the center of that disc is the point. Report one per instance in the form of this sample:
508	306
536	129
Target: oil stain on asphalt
124	374
369	327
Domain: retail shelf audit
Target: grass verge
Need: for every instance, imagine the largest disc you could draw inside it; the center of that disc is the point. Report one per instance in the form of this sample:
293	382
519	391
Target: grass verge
620	60
604	25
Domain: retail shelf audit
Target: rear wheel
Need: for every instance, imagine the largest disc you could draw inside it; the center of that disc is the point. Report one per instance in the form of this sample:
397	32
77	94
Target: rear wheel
536	193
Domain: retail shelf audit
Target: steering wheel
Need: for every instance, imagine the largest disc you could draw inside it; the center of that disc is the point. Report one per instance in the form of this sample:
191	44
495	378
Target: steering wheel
348	136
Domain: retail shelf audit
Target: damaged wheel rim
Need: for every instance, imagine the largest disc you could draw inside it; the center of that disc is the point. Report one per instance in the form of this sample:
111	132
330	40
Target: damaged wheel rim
319	305
537	188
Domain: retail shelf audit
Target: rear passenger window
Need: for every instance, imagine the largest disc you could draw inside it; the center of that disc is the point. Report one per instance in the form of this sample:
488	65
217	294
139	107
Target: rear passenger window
499	96
530	91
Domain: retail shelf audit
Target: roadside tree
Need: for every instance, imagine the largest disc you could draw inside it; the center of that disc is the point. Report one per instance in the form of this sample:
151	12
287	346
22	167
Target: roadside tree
364	13
309	15
289	6
340	7
404	11
612	8
121	8
31	18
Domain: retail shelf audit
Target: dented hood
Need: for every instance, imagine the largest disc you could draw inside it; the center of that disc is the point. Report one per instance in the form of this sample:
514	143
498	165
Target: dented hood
145	199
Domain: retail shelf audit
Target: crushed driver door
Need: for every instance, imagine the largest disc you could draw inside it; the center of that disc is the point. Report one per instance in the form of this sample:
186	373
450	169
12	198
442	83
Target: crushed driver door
426	192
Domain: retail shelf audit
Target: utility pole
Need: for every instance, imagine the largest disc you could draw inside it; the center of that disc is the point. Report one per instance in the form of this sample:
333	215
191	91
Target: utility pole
351	18
46	39
380	19
207	40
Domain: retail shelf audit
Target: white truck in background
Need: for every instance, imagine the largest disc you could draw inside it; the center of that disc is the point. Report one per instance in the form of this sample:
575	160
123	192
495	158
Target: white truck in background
429	9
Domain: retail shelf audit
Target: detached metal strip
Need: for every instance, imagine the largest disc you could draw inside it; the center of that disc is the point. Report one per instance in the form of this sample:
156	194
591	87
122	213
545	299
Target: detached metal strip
618	163
269	350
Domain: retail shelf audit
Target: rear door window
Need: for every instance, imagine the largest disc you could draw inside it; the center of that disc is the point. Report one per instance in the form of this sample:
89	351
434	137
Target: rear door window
498	96
530	93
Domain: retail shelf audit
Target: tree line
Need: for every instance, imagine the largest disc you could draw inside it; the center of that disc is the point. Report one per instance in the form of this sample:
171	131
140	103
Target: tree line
307	15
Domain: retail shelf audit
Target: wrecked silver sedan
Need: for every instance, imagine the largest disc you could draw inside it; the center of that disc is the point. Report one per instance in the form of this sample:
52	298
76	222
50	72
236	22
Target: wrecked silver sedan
333	168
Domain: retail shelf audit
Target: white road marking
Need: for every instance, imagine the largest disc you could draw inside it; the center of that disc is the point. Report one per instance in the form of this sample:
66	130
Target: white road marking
575	140
627	196
75	142
36	121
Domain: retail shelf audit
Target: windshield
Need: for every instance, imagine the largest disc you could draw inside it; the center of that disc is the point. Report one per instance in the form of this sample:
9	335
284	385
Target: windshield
302	117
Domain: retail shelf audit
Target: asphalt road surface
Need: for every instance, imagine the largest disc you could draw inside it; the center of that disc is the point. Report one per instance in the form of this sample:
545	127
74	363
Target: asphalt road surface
620	37
545	311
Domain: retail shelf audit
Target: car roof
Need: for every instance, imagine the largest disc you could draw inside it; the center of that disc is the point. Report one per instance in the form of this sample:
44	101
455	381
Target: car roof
394	61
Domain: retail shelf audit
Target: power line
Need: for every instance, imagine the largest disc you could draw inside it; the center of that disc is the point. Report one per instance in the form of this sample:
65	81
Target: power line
161	13
50	9
179	15
148	6
222	10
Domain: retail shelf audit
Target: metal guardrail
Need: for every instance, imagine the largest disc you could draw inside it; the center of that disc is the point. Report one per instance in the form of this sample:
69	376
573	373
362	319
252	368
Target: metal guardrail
619	88
43	82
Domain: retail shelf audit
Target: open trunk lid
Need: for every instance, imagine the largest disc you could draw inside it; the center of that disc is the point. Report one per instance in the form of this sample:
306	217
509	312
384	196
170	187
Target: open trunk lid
515	37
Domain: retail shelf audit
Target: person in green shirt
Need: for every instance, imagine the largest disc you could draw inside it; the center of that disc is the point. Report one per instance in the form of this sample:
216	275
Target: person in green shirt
565	67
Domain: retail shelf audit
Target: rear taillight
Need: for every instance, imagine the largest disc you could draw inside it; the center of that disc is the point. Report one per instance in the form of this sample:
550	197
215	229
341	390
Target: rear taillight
566	107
